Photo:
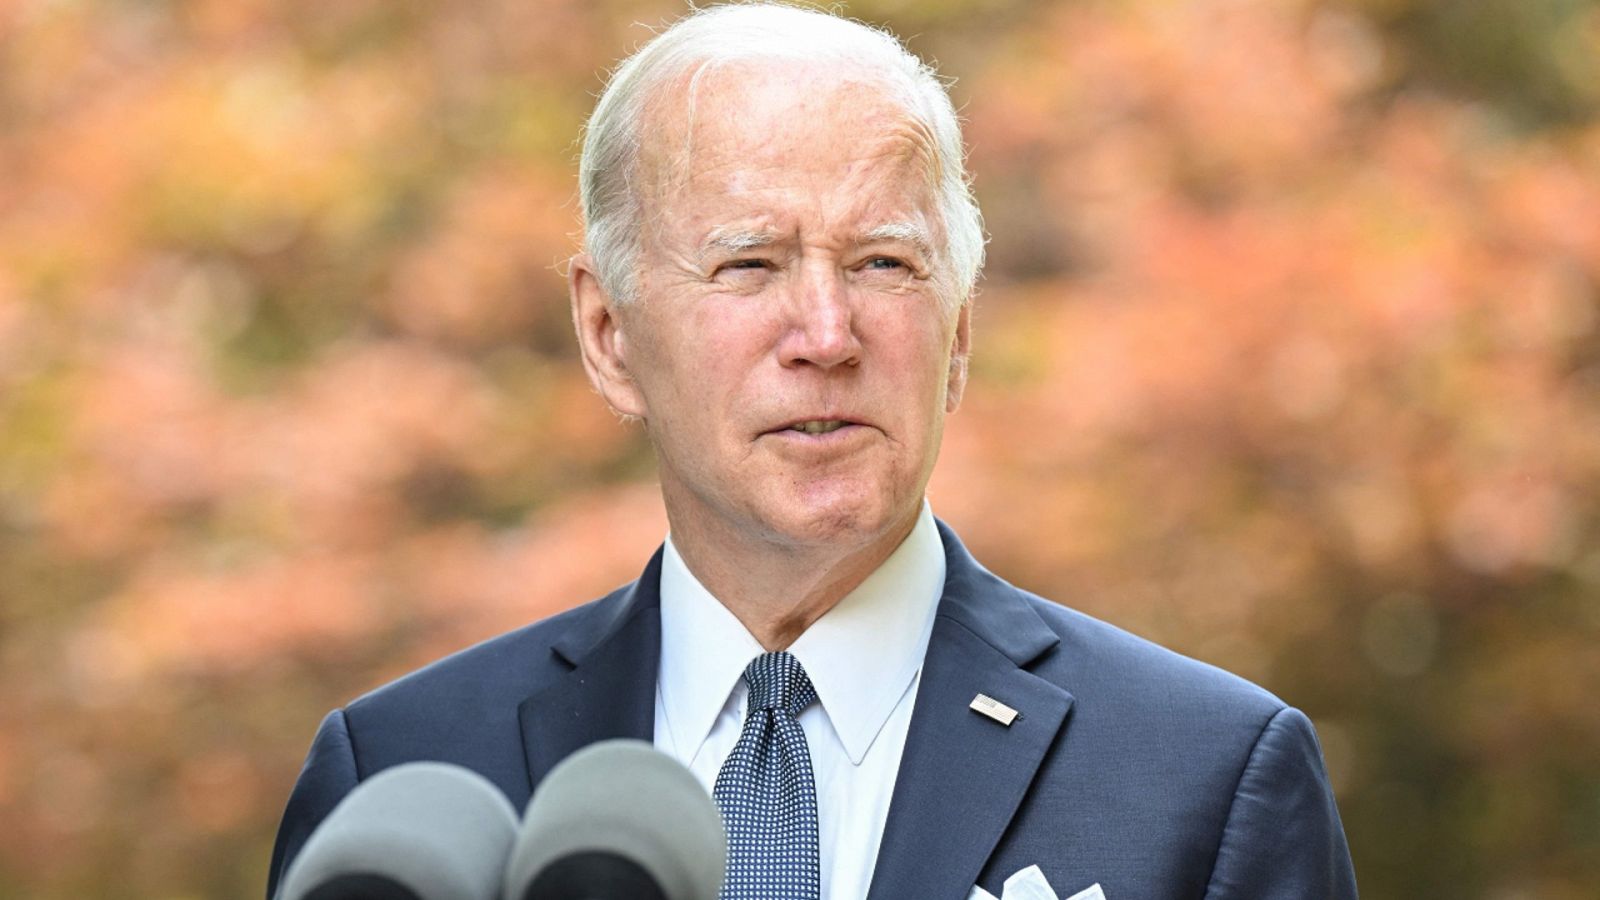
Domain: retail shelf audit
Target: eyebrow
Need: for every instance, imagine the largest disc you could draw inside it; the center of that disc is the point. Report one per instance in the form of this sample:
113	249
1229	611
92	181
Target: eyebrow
739	240
736	240
903	232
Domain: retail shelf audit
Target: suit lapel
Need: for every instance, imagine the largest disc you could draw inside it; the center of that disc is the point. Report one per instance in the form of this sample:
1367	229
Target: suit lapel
963	775
613	649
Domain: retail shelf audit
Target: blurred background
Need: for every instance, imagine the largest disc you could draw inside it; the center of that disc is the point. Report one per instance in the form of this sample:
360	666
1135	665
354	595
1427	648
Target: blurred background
1288	357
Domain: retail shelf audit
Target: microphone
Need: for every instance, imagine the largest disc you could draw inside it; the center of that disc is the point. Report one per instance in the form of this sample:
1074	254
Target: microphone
618	820
419	831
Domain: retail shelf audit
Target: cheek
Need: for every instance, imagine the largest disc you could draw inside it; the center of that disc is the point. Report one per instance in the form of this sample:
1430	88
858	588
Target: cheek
918	349
706	369
722	348
729	339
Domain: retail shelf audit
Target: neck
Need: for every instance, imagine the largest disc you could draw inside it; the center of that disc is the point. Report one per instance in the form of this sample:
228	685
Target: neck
778	590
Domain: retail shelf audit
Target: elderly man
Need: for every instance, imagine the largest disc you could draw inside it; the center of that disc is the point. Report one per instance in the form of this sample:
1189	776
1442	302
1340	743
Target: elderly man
781	248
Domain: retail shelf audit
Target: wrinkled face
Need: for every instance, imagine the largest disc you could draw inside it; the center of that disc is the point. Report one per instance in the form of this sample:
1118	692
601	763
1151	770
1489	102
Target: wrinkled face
788	351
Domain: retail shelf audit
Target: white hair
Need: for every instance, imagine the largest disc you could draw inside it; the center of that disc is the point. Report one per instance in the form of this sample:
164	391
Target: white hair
608	170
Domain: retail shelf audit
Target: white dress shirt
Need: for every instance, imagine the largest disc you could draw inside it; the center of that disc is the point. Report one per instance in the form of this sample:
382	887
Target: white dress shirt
864	657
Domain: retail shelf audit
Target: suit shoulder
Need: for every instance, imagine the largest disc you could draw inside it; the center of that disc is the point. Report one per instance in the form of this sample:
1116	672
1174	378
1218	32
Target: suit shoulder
1100	660
523	656
474	686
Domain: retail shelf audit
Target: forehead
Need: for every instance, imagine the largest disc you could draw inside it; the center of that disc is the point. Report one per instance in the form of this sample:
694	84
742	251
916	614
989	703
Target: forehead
748	133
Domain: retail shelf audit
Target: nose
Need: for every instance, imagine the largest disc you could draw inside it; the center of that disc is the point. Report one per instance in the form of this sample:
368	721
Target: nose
822	326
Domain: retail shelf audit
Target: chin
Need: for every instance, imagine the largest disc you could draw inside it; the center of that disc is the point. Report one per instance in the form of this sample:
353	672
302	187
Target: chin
839	518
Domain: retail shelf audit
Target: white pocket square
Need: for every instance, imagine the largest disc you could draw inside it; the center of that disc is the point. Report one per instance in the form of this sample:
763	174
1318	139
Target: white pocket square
1030	884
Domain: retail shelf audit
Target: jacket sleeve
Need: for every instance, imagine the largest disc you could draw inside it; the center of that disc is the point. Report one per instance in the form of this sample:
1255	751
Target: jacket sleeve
328	775
1282	839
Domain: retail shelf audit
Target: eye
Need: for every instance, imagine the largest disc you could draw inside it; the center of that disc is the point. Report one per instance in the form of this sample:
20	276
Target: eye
884	262
746	264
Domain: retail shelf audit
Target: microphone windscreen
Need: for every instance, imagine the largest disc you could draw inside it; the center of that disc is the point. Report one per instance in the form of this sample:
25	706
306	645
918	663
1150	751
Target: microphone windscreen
418	831
629	802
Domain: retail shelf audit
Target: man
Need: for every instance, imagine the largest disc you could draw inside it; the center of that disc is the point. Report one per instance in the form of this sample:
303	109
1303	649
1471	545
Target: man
781	248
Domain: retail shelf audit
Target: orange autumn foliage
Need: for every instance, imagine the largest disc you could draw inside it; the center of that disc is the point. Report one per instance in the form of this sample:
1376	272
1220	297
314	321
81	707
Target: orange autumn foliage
1288	356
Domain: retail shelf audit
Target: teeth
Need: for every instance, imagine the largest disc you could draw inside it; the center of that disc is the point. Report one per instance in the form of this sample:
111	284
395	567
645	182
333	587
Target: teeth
818	427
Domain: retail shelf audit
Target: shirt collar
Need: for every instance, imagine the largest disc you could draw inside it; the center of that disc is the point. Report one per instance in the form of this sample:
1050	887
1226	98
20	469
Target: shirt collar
861	655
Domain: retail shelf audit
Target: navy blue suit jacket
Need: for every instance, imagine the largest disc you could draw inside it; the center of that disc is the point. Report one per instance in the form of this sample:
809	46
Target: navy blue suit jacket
1150	773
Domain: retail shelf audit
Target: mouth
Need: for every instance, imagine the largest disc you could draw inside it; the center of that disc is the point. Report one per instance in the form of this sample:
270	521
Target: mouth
824	429
821	440
818	426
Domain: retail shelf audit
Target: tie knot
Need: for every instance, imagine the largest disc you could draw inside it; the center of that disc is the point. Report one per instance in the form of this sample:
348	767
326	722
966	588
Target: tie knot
778	681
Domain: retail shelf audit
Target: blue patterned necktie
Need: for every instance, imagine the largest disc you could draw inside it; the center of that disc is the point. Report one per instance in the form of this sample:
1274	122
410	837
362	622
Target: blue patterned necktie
766	791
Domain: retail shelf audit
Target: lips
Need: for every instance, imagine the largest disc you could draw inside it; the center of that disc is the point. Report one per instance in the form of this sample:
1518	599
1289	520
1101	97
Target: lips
816	426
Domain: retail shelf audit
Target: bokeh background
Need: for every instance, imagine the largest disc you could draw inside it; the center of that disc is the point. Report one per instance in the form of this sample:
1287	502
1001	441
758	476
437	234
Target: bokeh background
1288	357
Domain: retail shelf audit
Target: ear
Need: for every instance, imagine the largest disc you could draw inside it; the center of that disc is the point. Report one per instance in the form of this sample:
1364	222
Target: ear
601	340
960	354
